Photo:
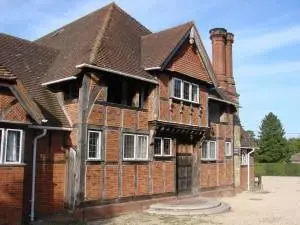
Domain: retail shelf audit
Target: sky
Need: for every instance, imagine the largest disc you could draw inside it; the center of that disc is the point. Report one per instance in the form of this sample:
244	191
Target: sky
266	48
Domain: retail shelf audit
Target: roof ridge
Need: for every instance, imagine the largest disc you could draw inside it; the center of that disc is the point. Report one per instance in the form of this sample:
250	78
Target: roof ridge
191	23
74	21
101	33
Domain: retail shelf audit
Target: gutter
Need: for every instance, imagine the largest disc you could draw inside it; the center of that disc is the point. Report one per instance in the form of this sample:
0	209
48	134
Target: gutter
50	128
80	66
248	170
59	80
32	215
221	100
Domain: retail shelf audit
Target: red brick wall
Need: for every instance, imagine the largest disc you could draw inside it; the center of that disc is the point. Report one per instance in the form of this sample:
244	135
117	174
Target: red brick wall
188	61
13	111
128	180
208	175
113	148
93	182
72	111
50	175
11	194
111	183
244	176
142	180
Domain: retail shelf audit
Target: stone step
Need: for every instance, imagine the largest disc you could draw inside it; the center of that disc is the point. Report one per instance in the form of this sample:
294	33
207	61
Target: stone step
189	206
223	207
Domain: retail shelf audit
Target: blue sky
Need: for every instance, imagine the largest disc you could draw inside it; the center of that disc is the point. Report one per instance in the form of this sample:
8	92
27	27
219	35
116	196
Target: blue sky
266	48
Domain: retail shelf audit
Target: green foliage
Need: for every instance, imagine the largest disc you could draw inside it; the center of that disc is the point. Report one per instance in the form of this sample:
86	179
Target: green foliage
272	143
277	169
293	146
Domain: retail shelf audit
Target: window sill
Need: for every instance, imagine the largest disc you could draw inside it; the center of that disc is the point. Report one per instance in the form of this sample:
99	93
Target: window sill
163	156
121	106
209	160
13	164
136	160
94	160
184	100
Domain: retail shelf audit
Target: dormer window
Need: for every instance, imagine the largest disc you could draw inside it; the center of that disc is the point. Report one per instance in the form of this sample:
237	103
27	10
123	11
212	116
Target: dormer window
185	90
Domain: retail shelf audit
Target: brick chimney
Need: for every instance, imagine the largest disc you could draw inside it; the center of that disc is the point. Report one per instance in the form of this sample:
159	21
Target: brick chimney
218	38
228	59
222	60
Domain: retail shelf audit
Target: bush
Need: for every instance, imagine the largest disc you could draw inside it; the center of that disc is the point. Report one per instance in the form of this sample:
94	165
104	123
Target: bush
277	169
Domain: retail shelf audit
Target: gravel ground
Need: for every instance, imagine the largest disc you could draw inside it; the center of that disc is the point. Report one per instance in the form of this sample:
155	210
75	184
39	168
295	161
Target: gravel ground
277	204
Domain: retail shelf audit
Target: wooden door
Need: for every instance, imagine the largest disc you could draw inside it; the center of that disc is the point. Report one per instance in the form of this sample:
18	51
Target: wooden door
184	169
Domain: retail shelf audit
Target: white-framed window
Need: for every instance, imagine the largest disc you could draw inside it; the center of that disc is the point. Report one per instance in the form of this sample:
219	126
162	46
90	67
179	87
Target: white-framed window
228	150
185	90
11	146
162	146
209	150
244	158
1	144
94	145
135	147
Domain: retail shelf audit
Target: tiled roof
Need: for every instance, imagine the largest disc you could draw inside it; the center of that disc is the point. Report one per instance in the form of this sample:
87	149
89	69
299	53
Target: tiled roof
6	74
246	140
156	47
28	62
107	38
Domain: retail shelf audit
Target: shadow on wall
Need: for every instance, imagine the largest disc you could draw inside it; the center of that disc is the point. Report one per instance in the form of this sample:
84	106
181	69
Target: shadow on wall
11	196
50	177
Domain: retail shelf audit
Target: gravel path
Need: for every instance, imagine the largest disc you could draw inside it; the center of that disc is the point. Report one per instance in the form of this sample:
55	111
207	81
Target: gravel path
278	204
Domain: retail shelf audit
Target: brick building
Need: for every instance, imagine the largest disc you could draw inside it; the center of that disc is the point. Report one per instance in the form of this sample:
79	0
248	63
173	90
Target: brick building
106	111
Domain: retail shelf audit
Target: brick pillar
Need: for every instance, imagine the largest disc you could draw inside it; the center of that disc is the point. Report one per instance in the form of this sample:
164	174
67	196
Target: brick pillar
218	38
229	71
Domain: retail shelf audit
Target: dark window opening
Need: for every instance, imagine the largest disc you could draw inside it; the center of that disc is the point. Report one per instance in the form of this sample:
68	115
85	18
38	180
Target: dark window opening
71	91
126	92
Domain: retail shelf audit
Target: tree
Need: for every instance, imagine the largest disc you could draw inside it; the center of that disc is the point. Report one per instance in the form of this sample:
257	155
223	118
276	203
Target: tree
252	135
272	143
293	146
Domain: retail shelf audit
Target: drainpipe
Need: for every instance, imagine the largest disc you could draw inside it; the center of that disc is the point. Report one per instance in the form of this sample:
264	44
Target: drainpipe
34	172
248	157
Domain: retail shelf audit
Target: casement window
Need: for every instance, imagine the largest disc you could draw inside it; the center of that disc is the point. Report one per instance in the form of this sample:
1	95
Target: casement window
209	150
244	158
11	146
162	146
186	91
135	147
228	150
94	147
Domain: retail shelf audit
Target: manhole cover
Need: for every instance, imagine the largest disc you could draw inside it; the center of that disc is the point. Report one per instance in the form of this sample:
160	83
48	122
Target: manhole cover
256	199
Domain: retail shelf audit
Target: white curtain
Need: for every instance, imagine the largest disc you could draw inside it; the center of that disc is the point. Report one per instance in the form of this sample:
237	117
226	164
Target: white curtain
12	146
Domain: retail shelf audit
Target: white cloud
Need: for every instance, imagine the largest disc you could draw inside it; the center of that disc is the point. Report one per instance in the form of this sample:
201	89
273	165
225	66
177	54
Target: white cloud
261	43
281	68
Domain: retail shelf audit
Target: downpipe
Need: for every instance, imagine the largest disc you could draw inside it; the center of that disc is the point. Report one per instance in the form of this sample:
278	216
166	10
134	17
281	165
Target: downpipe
248	157
32	214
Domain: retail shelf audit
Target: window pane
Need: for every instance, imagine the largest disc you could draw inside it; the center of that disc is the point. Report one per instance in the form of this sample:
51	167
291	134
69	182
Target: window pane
157	146
94	145
204	150
177	88
13	146
212	149
195	93
228	148
128	146
186	91
141	147
167	146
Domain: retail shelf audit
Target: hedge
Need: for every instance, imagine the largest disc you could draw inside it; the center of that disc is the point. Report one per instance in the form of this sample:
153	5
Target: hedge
277	169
